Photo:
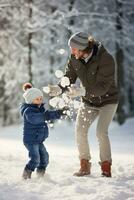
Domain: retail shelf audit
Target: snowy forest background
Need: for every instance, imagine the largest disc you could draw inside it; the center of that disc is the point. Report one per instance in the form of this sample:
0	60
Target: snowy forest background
33	45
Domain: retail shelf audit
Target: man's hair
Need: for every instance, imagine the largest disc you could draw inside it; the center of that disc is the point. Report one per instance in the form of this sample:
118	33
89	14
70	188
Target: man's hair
90	45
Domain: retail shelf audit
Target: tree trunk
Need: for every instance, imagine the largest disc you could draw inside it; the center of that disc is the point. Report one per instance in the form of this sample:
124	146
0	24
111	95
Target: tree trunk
30	35
120	68
5	107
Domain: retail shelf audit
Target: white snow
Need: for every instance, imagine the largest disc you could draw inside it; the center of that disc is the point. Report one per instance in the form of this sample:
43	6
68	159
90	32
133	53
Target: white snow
59	183
57	102
59	74
65	81
54	101
60	102
46	89
76	104
61	51
68	113
64	101
66	98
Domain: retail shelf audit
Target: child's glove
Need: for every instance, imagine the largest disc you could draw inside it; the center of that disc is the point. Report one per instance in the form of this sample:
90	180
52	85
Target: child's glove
53	90
74	91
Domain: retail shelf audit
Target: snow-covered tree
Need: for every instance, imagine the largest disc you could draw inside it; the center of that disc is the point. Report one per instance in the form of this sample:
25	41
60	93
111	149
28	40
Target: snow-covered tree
13	56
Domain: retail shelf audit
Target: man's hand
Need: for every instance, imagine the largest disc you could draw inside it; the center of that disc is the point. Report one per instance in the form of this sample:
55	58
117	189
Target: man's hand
75	91
53	90
63	111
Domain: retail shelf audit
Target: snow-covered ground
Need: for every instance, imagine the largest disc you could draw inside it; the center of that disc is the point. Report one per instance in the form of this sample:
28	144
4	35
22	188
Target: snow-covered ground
58	182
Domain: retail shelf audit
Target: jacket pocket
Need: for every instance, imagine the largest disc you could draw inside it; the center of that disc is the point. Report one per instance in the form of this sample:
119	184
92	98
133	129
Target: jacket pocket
42	133
92	73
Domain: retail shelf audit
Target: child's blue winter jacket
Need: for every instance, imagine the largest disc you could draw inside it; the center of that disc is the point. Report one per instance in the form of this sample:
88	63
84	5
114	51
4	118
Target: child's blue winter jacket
35	128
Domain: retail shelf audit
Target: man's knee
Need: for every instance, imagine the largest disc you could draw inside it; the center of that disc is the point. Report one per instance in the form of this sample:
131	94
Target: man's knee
101	134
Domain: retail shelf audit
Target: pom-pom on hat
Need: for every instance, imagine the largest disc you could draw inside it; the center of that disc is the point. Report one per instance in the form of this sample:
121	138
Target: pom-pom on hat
26	86
79	41
31	93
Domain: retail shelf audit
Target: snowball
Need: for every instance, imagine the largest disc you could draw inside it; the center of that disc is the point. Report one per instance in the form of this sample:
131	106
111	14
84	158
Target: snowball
65	81
61	103
57	102
65	97
61	51
58	73
68	113
54	102
76	104
46	89
51	125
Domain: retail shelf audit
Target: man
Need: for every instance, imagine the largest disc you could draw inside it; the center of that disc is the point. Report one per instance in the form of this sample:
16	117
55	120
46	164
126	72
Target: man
95	67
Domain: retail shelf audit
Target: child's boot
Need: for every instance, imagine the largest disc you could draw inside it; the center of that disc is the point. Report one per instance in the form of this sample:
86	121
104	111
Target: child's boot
40	172
26	174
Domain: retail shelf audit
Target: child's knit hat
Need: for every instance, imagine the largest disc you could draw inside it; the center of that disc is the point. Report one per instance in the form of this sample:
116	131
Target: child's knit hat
31	93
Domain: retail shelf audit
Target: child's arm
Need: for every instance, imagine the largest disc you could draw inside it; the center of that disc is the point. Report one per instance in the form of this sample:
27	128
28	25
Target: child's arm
52	115
33	117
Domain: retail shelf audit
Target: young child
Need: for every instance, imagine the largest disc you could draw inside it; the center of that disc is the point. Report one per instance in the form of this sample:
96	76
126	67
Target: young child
35	129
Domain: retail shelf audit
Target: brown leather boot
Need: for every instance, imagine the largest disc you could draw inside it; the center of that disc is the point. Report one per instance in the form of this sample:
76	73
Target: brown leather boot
106	168
85	168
